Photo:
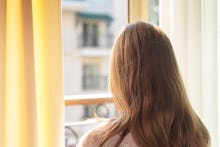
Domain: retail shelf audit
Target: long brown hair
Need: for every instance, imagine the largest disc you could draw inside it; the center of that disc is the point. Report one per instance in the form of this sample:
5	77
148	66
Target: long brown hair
149	94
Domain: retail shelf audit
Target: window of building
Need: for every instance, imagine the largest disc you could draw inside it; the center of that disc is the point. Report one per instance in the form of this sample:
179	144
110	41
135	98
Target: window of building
90	34
91	77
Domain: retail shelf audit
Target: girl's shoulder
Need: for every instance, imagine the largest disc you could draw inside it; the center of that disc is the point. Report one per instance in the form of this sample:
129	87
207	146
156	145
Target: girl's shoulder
92	137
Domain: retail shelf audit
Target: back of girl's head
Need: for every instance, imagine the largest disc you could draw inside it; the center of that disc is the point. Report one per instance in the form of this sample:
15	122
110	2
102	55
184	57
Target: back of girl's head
149	93
142	63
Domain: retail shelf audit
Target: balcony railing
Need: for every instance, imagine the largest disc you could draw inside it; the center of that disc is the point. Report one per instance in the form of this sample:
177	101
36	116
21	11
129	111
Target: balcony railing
74	130
88	99
100	41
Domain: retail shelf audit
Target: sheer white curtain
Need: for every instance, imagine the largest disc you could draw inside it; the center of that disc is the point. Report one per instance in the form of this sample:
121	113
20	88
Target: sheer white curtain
192	27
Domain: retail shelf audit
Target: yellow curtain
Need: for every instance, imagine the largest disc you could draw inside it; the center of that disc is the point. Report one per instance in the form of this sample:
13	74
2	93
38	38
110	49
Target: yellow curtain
31	74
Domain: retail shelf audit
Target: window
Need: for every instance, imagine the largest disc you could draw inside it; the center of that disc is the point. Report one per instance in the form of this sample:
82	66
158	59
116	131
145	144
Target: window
89	28
94	29
90	34
192	44
91	77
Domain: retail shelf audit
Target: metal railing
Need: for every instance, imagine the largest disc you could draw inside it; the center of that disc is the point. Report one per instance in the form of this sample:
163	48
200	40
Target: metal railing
100	41
100	101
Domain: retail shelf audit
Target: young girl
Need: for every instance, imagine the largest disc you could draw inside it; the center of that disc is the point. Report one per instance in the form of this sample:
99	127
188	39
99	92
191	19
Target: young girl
152	106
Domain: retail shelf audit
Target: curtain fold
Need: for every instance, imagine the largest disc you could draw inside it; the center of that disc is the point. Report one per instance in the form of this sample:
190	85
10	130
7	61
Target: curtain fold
31	86
2	70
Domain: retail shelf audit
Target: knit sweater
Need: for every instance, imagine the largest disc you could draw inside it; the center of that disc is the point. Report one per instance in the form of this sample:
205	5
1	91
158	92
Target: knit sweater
92	138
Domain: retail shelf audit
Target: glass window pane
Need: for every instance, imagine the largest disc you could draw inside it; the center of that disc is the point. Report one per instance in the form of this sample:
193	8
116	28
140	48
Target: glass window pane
89	28
153	11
